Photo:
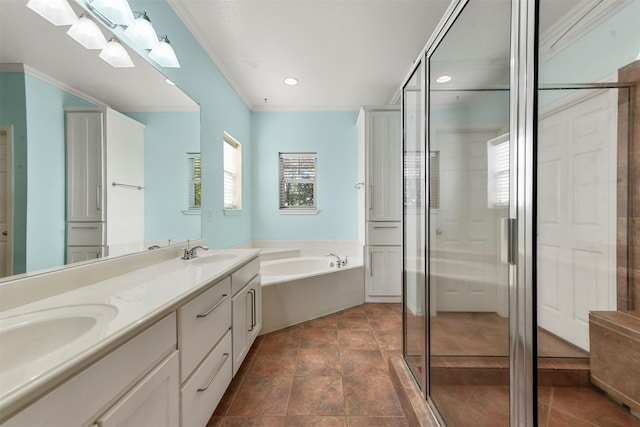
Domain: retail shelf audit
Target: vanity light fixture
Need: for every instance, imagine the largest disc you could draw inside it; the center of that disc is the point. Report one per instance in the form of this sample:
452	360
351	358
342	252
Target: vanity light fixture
87	33
444	79
58	12
112	12
141	31
164	55
116	55
291	81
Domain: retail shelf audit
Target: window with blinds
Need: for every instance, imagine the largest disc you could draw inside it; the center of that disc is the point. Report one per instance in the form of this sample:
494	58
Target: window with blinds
498	173
298	181
195	187
232	173
414	169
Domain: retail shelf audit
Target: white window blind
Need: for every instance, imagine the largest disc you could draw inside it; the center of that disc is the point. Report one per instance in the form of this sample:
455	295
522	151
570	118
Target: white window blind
195	186
498	173
298	181
232	158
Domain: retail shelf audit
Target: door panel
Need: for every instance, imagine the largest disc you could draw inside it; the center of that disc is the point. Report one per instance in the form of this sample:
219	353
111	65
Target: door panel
576	213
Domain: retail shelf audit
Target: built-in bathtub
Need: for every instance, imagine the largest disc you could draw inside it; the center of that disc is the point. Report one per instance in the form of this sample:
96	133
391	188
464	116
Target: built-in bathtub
298	289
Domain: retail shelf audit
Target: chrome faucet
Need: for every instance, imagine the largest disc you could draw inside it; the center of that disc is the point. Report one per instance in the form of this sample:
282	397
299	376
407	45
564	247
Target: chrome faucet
153	247
193	252
339	262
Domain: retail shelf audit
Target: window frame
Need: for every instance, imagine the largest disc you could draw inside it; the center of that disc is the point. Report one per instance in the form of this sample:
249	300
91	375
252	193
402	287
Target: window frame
302	210
498	172
193	181
230	142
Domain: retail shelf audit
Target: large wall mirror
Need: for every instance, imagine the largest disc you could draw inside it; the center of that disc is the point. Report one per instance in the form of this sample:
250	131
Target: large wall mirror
42	72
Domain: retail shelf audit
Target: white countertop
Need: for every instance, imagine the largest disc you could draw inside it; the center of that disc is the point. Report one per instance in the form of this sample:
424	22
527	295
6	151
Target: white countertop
122	306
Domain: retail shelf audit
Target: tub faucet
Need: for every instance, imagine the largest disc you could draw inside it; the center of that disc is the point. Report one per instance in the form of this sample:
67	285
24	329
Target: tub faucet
339	262
193	252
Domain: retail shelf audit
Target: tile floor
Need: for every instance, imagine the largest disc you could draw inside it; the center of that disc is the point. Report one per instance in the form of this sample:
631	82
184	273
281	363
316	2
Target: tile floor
330	371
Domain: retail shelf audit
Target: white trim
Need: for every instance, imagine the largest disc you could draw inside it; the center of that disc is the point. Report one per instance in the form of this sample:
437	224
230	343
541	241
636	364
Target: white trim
27	69
187	19
192	211
578	21
298	211
303	108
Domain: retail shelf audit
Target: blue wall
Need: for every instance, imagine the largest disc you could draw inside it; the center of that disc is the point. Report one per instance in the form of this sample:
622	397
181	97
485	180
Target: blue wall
333	135
221	109
606	48
36	111
46	172
168	137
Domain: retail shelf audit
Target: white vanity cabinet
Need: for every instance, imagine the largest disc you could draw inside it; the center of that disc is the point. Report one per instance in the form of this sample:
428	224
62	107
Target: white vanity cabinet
247	310
137	381
380	201
204	340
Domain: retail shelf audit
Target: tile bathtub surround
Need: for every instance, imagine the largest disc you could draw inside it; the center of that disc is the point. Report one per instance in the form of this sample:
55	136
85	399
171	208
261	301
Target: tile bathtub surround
330	371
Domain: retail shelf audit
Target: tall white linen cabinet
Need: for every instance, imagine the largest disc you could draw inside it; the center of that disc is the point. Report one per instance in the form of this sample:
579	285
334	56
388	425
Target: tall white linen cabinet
380	201
105	183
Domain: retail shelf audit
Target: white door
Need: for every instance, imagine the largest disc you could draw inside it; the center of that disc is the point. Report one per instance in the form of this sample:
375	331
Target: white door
6	202
384	166
384	275
464	257
85	192
577	215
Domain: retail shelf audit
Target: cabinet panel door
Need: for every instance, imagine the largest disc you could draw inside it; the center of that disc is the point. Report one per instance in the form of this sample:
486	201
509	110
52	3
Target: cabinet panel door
256	288
85	192
84	253
154	401
240	326
384	275
384	166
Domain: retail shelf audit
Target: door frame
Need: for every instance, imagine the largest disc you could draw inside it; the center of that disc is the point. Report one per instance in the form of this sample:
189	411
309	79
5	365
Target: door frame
8	130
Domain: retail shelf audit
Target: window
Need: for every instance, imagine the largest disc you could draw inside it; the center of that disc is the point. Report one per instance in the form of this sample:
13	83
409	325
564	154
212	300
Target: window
195	187
298	182
498	171
232	173
413	176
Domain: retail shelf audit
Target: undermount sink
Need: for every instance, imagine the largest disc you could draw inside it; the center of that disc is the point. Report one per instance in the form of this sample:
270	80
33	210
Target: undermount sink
28	337
211	258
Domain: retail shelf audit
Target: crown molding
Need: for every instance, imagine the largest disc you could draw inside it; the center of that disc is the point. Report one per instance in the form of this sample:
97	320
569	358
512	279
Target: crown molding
307	109
581	19
187	19
27	69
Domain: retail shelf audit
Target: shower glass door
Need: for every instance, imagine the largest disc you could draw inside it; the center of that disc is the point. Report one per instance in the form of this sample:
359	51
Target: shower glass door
469	176
414	224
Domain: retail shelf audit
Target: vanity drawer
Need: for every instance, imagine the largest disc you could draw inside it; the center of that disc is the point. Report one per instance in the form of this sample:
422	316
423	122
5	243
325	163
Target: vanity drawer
204	390
202	322
384	233
85	233
244	275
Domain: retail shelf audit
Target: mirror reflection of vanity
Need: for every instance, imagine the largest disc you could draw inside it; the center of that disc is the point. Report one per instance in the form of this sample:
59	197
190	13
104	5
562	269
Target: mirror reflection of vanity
42	72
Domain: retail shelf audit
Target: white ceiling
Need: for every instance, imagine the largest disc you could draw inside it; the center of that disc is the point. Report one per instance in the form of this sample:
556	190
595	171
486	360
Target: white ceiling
46	50
345	53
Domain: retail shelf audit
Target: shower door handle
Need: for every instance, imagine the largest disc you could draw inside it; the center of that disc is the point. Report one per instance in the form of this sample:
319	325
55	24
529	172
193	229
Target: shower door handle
509	238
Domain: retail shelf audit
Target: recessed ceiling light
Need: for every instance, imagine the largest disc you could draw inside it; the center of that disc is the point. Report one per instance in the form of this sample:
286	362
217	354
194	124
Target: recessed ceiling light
169	82
290	81
443	79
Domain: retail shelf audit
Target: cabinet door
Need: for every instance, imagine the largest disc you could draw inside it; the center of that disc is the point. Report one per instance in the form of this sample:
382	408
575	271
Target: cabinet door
384	166
154	401
255	291
241	324
85	195
84	253
384	272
